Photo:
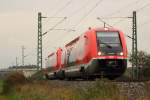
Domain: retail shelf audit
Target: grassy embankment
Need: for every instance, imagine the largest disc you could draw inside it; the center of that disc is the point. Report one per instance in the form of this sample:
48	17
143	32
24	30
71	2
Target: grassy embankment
1	86
16	87
45	91
4	94
49	91
1	90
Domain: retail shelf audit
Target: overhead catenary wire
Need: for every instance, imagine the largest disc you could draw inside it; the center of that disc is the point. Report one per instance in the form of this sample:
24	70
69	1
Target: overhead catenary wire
119	10
79	9
96	4
115	23
60	37
137	10
103	22
59	10
100	19
76	11
93	8
122	19
114	17
54	26
124	7
54	16
140	9
143	24
73	13
62	8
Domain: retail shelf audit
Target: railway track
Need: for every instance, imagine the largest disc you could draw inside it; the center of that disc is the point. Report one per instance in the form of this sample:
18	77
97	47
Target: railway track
132	90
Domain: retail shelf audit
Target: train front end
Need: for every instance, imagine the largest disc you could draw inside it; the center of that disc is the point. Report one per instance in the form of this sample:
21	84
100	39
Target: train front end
110	56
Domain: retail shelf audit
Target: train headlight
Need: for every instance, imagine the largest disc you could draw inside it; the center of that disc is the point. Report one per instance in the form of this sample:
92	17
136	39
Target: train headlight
105	28
121	53
99	53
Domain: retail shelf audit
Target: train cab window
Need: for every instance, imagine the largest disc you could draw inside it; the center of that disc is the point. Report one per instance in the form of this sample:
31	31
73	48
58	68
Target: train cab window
109	43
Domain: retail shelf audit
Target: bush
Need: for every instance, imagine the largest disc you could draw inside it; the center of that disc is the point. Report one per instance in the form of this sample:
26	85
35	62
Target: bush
12	80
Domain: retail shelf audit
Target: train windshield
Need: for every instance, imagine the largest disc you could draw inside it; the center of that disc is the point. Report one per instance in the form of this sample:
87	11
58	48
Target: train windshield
109	43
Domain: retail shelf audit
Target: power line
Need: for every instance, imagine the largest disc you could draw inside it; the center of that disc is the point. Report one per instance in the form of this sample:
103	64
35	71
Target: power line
87	13
125	7
114	17
53	17
60	37
54	26
100	19
62	8
83	16
73	13
103	22
78	10
96	4
23	56
62	29
143	24
16	61
140	9
122	18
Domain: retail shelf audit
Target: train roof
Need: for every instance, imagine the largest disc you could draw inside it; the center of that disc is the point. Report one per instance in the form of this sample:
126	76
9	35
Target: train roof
51	54
92	29
104	29
72	42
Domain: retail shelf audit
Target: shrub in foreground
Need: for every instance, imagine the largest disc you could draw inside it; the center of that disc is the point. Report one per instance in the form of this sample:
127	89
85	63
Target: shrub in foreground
12	80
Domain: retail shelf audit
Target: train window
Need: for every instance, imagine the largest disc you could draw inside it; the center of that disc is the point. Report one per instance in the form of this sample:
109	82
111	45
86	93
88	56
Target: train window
109	43
51	61
108	37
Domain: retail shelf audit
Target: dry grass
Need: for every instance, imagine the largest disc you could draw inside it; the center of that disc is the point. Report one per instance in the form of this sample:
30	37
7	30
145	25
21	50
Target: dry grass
12	80
1	86
147	91
18	88
46	91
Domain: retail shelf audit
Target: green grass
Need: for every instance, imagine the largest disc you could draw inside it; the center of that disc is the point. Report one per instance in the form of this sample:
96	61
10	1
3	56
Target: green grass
1	86
10	96
3	97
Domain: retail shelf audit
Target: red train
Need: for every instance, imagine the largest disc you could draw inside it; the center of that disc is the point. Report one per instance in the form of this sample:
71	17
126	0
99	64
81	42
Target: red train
97	52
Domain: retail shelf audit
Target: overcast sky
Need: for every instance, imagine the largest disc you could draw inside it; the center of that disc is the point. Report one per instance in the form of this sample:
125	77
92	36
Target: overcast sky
18	24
